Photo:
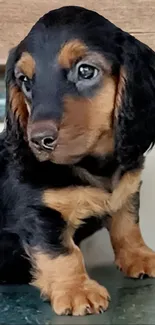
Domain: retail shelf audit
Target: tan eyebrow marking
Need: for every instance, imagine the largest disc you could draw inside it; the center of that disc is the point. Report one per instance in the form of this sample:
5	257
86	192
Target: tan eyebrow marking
26	64
71	52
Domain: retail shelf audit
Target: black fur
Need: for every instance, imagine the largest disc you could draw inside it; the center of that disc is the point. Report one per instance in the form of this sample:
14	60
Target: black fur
24	220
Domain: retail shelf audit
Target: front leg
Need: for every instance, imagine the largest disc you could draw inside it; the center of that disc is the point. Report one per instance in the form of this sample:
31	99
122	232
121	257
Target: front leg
132	255
58	268
64	280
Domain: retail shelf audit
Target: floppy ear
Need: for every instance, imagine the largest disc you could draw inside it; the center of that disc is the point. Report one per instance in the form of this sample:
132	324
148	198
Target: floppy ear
135	120
16	109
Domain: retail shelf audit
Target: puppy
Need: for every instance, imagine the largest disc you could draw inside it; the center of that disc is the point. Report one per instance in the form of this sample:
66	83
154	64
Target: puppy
80	116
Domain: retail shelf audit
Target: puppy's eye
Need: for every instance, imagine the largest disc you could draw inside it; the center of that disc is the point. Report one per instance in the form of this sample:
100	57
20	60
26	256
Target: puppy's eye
23	78
25	84
86	71
25	81
86	77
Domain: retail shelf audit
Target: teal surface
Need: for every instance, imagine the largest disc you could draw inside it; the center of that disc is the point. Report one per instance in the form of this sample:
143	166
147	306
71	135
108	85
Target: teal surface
133	302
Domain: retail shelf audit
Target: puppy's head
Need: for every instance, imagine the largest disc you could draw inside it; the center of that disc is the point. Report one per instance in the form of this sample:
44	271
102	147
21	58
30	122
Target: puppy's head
77	85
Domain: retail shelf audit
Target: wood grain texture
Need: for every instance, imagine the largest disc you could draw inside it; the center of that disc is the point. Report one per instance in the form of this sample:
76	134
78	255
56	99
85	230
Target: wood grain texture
18	16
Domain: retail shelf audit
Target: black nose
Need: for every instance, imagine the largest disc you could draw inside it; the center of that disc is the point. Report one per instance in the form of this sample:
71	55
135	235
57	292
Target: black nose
45	142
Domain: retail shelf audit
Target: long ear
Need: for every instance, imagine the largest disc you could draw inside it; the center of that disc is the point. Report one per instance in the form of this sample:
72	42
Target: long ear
135	120
16	109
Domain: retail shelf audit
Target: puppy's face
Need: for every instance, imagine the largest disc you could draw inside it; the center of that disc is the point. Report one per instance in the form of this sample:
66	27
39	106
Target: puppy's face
64	92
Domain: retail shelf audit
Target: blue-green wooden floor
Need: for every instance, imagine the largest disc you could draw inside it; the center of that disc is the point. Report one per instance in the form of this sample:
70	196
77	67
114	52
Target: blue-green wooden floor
133	302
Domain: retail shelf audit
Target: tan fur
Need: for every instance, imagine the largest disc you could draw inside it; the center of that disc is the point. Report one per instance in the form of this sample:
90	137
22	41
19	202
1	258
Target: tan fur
18	105
120	89
105	144
71	52
76	50
132	255
64	281
78	203
128	185
26	64
86	126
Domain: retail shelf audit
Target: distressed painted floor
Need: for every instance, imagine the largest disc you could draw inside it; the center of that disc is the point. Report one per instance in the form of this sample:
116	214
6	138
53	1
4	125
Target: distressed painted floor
133	302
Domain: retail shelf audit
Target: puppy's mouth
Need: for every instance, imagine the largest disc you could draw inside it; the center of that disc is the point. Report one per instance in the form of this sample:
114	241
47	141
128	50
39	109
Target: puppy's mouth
60	145
58	155
40	154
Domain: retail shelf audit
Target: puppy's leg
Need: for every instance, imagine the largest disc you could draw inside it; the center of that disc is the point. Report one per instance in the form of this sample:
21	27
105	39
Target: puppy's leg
63	279
132	255
128	184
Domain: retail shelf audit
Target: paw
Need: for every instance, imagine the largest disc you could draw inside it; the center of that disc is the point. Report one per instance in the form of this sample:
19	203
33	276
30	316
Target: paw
137	263
81	299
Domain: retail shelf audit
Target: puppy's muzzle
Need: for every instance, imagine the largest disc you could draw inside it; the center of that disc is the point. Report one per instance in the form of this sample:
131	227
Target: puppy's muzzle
43	136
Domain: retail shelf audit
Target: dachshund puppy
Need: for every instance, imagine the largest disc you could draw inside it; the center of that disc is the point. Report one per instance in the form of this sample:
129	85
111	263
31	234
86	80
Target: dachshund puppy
80	116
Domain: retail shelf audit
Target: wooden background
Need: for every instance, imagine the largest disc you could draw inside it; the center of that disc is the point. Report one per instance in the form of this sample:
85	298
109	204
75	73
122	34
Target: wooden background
17	16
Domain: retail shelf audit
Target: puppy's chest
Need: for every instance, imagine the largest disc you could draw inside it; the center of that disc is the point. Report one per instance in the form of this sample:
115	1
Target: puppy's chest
87	195
97	172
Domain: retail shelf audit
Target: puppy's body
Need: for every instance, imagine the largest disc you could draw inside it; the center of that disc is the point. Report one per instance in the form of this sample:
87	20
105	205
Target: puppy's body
80	116
24	218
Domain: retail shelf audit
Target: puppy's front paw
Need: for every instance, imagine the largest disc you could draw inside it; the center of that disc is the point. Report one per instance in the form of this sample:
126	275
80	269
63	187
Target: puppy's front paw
79	299
137	263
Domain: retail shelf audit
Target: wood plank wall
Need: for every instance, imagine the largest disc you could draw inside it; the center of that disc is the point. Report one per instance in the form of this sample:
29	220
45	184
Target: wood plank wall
18	16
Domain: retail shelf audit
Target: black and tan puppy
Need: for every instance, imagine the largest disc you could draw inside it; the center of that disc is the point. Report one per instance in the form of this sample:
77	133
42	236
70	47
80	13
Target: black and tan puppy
80	116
